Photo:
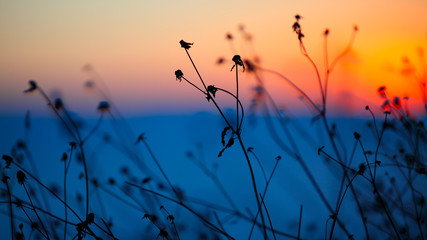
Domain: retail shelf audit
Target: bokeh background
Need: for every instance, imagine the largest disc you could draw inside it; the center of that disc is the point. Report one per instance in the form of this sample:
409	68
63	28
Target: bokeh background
130	50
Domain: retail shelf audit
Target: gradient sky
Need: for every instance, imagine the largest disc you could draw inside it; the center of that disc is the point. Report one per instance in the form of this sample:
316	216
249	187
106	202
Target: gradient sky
133	46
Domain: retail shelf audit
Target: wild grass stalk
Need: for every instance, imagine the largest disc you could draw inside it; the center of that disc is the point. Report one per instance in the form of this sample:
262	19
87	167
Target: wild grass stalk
210	96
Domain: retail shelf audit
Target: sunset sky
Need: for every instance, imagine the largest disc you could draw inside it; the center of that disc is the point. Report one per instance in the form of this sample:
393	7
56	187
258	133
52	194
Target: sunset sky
134	48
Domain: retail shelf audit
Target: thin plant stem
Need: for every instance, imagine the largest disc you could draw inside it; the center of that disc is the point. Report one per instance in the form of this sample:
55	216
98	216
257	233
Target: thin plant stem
12	224
192	84
268	216
159	166
300	222
322	92
263	195
82	152
94	128
376	191
179	202
35	211
335	216
237	99
260	165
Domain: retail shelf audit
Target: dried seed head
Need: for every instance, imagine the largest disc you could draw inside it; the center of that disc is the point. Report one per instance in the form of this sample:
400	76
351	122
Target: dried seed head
179	75
8	160
250	65
163	234
237	60
362	168
185	44
90	218
5	178
59	104
72	144
356	135
212	90
103	106
33	86
64	157
326	32
20	175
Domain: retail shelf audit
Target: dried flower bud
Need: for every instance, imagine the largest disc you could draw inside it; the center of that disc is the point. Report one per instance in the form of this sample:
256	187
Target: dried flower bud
64	157
58	104
163	234
90	218
326	32
20	175
33	86
356	135
103	106
8	160
250	65
237	61
220	60
362	168
185	44
212	90
179	75
5	178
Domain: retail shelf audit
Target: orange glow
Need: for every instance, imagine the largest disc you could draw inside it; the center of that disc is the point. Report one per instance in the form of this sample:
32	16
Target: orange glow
134	47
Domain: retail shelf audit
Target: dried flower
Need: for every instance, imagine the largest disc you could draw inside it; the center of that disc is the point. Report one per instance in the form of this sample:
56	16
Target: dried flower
220	60
228	36
250	65
103	106
8	160
237	60
58	104
185	44
20	175
297	27
5	178
356	135
33	86
72	144
179	75
171	218
89	84
90	218
162	234
326	32
381	91
211	89
64	157
362	168
146	180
